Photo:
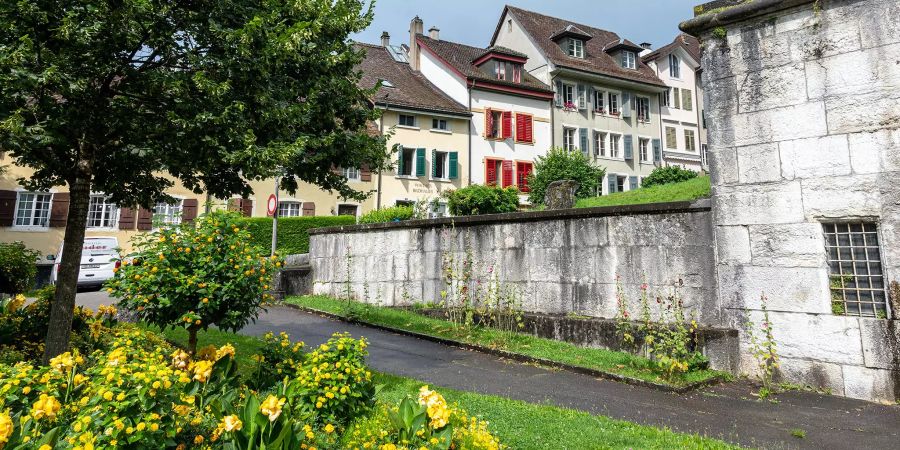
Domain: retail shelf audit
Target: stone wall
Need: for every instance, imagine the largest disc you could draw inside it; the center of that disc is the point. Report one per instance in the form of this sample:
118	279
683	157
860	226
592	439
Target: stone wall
803	108
562	261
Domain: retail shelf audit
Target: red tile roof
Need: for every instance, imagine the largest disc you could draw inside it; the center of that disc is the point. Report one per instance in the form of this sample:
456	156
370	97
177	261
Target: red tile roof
689	43
596	60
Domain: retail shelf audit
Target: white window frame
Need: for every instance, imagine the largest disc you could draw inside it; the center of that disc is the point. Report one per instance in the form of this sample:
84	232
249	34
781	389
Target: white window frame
615	146
31	219
573	144
644	151
337	208
575	48
438	209
599	100
403	125
352	174
630	59
600	146
690	144
171	215
438	122
667	98
445	165
613	103
109	213
645	118
674	66
570	95
286	208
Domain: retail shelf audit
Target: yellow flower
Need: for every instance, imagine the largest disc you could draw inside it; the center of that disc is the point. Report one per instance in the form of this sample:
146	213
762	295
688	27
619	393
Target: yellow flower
141	426
45	447
108	395
180	359
226	349
329	428
271	407
26	390
63	362
198	440
45	406
202	370
231	423
6	428
436	407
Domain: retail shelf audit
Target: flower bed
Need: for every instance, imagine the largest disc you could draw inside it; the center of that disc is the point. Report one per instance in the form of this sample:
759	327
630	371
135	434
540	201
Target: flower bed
137	391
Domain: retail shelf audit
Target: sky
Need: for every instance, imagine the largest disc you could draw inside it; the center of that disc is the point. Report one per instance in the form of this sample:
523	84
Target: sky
472	22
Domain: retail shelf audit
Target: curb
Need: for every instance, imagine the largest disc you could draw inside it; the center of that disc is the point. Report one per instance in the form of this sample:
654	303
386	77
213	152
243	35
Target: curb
515	356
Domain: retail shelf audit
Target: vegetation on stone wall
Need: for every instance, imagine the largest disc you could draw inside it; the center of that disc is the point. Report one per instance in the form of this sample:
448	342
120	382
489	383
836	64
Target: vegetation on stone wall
293	232
668	175
559	165
479	199
684	191
392	214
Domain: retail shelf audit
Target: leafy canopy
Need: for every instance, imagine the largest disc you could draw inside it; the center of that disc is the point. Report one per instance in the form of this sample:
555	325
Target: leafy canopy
212	93
560	164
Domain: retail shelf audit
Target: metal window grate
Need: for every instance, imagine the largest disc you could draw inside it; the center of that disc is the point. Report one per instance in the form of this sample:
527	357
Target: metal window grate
856	274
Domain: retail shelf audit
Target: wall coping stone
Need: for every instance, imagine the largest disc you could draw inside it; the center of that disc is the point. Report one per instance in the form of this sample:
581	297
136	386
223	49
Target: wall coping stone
699	205
732	11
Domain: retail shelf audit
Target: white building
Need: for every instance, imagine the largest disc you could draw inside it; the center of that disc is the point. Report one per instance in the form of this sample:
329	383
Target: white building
510	108
683	127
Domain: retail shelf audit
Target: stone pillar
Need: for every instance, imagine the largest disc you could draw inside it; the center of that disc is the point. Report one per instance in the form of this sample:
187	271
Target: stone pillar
803	113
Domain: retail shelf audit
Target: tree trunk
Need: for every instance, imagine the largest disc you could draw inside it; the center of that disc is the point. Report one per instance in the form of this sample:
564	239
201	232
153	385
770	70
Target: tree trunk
192	339
59	327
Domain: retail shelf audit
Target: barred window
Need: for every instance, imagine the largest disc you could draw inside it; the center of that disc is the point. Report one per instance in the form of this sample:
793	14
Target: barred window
856	275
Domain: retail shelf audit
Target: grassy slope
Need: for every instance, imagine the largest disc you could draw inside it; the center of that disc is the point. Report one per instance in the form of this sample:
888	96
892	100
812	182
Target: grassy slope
605	360
686	190
518	424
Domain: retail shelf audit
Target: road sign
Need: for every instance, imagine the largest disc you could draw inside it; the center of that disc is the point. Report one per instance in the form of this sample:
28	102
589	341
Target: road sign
273	204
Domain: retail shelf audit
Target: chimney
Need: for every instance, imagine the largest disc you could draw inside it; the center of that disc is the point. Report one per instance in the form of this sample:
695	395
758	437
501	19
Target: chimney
434	33
415	28
385	39
646	45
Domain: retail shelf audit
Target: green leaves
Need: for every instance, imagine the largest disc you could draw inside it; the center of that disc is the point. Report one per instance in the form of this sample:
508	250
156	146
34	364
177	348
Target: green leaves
560	164
478	199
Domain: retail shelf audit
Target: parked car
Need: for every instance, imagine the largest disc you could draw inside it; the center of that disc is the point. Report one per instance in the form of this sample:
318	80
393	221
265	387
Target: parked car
99	256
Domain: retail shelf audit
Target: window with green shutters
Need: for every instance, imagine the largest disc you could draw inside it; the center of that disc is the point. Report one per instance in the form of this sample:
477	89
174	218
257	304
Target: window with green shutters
453	162
406	160
442	165
420	162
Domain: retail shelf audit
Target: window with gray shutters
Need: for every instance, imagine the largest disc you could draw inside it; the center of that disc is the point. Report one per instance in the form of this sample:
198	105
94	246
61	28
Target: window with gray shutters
856	276
671	138
687	101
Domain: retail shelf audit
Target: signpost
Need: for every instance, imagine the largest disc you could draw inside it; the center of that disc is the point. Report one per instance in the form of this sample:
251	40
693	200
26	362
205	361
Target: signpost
273	211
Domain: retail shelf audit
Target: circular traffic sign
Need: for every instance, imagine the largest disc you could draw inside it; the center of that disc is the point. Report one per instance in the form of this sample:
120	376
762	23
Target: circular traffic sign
273	204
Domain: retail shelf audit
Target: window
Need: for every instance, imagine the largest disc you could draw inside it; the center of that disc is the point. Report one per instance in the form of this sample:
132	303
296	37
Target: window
493	170
500	70
347	210
855	273
677	100
643	109
628	59
167	213
407	120
600	144
569	96
524	128
407	161
33	209
704	156
620	183
666	97
671	138
689	143
686	101
437	209
613	103
674	67
102	213
570	142
351	174
576	48
289	209
599	103
644	149
703	117
439	166
508	71
614	145
498	124
522	171
404	203
439	124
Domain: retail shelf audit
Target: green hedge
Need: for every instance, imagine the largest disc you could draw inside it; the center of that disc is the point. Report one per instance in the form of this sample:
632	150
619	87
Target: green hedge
391	214
293	232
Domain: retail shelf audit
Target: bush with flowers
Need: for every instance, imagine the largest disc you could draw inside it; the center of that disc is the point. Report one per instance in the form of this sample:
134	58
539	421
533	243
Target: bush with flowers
278	357
206	272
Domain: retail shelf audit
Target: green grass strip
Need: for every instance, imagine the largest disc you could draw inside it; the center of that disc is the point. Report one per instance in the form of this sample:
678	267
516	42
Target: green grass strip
620	363
675	192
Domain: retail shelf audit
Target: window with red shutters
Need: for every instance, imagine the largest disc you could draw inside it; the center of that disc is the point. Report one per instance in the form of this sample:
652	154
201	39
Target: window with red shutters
524	128
507	124
492	171
488	122
522	171
507	173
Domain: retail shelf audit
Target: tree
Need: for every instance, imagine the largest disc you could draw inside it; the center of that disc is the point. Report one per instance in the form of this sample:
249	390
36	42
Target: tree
128	97
197	275
560	164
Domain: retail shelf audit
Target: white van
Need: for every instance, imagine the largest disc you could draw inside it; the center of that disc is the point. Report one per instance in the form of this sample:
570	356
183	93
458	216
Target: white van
99	257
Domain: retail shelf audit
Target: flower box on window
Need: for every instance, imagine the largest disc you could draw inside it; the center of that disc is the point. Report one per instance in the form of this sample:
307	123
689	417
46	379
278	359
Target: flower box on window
569	106
599	111
615	114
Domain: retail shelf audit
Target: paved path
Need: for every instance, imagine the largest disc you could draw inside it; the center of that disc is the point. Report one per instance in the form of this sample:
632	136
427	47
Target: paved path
722	412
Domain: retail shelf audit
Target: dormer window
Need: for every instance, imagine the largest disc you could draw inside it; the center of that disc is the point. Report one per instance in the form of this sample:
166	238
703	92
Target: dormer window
629	59
576	48
508	71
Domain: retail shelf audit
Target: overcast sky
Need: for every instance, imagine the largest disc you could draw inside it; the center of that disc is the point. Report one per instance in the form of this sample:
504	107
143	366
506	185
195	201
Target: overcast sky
472	22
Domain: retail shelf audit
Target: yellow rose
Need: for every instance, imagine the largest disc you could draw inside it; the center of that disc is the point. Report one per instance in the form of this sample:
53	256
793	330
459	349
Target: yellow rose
271	407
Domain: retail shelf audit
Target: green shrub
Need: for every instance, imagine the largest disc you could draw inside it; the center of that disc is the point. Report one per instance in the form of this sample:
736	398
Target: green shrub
668	175
560	164
293	232
199	274
393	214
18	267
479	199
24	327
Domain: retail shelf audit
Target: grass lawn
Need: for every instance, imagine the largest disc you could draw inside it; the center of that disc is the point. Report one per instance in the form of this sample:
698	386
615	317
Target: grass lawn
686	190
599	359
519	425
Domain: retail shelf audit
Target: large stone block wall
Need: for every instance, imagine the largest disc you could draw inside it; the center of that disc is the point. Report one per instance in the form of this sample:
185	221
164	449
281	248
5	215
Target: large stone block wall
560	261
803	108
